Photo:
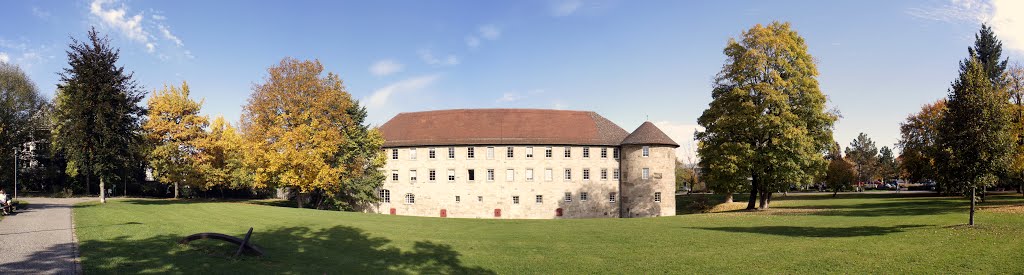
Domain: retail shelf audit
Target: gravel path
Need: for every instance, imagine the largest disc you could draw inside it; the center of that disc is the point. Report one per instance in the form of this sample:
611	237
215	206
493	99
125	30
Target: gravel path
40	239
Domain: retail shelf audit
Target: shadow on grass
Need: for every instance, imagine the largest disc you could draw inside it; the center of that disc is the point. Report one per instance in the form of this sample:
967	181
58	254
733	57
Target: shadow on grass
904	206
294	249
816	232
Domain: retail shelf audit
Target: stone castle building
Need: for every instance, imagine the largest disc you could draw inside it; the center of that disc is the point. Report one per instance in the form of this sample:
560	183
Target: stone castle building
524	164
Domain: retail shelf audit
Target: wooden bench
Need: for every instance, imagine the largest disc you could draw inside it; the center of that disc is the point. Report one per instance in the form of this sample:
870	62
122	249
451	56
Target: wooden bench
243	244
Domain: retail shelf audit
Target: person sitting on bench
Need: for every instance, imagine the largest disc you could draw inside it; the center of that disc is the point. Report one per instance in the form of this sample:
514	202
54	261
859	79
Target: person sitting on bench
5	203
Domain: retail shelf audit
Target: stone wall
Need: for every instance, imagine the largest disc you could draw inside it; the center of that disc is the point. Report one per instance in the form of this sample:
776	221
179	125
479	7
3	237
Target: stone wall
638	194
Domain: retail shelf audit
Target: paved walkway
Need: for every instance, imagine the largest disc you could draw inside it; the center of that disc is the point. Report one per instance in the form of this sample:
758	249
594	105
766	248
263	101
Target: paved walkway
40	239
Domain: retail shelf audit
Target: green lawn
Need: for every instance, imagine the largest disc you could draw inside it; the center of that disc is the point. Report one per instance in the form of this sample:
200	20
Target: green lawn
855	233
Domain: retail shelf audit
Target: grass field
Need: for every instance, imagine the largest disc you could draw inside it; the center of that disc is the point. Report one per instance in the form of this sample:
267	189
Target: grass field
855	233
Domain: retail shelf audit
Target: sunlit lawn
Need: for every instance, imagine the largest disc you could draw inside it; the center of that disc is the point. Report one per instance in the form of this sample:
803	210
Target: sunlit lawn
855	233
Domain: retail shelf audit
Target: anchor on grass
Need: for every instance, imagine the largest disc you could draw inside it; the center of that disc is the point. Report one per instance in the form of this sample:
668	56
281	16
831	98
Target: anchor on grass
243	244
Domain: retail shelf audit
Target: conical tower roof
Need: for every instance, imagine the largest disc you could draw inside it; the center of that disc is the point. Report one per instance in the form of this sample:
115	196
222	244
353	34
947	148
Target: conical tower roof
648	134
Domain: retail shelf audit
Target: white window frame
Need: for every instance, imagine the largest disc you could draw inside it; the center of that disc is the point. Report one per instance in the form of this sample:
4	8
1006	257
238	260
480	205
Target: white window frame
412	153
394	175
470	153
657	196
615	175
510	152
490	152
490	174
568	197
471	174
458	199
646	151
549	174
611	197
510	175
432	175
567	175
584	196
586	152
548	152
529	152
567	153
451	175
539	199
394	153
432	153
586	173
480	198
410	198
515	199
412	175
529	174
645	173
604	173
451	152
604	153
385	195
615	153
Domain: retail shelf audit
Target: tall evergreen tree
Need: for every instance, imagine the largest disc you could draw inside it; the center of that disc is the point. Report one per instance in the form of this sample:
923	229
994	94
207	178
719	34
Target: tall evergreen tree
767	119
97	116
975	134
864	155
988	50
888	168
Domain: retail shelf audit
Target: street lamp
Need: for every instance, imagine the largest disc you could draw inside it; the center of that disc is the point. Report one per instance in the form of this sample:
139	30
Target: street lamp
15	172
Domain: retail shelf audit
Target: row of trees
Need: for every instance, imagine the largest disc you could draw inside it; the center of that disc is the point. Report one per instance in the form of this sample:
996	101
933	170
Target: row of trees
863	163
300	130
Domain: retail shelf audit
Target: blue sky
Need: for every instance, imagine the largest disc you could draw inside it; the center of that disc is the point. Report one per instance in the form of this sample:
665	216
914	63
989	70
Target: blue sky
628	60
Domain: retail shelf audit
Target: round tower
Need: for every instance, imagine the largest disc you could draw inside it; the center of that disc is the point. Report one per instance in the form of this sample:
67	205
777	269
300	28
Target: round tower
648	165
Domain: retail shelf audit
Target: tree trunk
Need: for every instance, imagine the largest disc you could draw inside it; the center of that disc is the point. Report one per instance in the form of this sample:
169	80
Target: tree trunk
103	192
175	190
752	201
984	191
88	181
971	222
764	201
728	198
768	202
298	198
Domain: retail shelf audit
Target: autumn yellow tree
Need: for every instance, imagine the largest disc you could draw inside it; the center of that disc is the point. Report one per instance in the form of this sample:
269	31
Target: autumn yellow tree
301	134
174	128
221	157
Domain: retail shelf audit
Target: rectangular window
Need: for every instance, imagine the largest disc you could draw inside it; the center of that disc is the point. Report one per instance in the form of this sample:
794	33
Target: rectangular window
568	196
451	174
583	196
611	197
394	153
490	152
472	175
515	199
547	152
412	175
548	174
458	199
586	174
410	198
657	196
540	199
568	152
646	173
647	151
510	174
432	153
604	173
431	175
604	153
529	174
480	198
490	174
451	152
615	175
509	152
568	174
385	195
412	154
529	152
615	153
394	175
586	152
470	153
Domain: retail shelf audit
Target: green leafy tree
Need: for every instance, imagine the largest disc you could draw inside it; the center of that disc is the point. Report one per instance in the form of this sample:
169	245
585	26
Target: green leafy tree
97	117
888	167
767	120
174	129
919	142
1015	84
221	157
20	109
841	173
975	134
864	155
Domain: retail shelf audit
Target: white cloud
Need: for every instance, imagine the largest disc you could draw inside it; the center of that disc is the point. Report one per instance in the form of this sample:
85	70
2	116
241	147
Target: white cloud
510	97
115	15
429	58
560	106
472	41
1005	17
682	134
565	7
4	57
381	96
170	36
42	14
490	32
385	67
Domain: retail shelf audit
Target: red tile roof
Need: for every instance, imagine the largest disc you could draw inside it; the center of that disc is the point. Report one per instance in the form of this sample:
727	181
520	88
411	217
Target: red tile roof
501	126
648	134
